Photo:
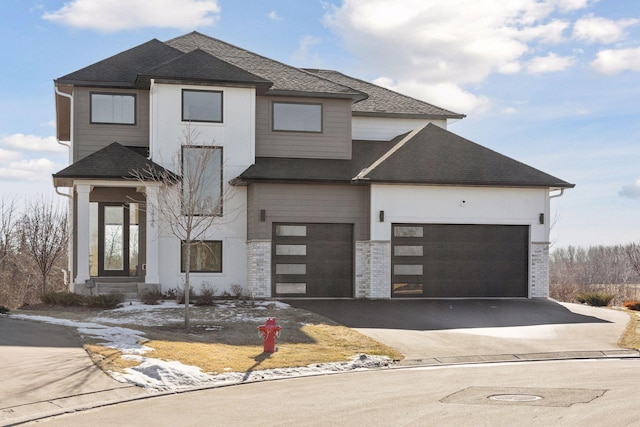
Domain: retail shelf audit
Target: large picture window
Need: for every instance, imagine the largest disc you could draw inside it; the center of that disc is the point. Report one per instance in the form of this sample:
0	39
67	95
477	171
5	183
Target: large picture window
206	257
113	108
202	180
297	117
201	106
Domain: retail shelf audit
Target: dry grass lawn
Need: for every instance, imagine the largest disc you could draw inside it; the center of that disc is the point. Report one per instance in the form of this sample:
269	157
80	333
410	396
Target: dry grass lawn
631	336
225	338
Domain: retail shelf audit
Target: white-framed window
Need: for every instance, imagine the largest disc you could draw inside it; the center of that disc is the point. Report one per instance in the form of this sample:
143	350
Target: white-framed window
201	106
297	117
202	180
113	108
206	257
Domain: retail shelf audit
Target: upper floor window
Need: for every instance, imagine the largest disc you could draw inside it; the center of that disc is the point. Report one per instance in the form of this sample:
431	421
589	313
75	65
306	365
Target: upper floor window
297	117
202	180
113	108
201	106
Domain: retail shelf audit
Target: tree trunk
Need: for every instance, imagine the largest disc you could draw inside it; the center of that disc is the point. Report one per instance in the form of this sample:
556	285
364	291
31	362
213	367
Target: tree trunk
187	286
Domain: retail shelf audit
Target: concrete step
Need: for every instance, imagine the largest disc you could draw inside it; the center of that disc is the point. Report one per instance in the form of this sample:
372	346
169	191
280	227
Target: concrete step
128	289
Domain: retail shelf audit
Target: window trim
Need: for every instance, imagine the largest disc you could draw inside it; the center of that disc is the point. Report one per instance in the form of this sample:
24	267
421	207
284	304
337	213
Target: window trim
220	212
194	244
135	108
182	113
273	117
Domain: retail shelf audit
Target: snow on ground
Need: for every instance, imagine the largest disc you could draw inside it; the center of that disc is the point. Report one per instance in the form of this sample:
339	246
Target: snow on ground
159	375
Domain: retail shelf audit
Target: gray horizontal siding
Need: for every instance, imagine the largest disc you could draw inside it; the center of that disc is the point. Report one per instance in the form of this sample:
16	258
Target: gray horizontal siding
308	203
89	138
333	143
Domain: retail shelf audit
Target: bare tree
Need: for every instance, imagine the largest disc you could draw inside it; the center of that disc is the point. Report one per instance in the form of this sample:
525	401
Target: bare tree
190	203
44	235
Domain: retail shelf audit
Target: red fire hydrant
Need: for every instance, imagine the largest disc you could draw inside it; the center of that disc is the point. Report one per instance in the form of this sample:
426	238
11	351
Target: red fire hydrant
269	332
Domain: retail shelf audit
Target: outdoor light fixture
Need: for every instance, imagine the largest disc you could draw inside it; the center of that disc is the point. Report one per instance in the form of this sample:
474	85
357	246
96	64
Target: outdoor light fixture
263	215
541	218
381	216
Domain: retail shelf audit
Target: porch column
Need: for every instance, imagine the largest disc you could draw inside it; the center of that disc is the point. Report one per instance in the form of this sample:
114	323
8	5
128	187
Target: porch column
83	233
152	276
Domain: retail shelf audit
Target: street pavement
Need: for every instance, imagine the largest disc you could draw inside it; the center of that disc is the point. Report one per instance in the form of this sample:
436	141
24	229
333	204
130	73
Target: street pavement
44	370
560	393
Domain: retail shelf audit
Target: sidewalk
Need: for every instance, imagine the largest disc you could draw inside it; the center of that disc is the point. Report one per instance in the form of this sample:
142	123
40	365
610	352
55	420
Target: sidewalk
45	371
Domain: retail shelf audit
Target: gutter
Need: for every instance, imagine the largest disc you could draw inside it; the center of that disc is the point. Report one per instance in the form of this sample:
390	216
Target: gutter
553	196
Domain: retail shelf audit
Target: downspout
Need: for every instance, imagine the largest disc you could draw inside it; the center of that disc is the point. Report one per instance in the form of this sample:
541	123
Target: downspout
70	247
66	272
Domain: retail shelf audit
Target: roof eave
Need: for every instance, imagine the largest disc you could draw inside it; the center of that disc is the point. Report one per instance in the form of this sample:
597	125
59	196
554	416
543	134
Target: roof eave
408	115
304	94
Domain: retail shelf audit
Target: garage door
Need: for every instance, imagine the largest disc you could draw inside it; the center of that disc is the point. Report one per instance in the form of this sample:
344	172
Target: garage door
459	260
312	260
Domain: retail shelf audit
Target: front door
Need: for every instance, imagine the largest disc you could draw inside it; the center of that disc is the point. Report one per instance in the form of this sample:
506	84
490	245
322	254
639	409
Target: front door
117	239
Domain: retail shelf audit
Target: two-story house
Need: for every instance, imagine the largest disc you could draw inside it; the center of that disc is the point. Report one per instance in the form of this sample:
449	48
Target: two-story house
333	186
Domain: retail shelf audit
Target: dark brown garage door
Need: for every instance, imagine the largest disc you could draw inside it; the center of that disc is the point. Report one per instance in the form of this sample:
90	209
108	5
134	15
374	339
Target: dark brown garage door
460	260
312	260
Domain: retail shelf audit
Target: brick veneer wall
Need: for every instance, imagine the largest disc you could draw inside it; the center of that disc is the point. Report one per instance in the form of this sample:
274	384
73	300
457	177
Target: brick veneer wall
259	268
539	270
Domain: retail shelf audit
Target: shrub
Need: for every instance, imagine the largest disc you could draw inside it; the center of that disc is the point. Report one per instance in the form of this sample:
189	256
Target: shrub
237	291
65	299
632	305
595	299
3	309
105	301
171	294
206	296
152	298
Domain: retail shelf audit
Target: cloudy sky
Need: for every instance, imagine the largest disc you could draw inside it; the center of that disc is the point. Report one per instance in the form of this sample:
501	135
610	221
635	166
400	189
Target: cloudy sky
552	83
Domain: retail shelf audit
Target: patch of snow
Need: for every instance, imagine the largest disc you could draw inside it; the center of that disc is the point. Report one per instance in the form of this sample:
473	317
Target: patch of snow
159	375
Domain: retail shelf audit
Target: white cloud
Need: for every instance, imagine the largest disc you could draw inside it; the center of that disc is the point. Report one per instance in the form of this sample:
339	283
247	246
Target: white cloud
273	15
457	43
549	63
446	94
304	54
613	61
24	142
594	29
116	15
631	191
8	155
27	170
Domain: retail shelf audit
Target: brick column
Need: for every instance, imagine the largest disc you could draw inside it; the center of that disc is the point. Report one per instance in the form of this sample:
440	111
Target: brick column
259	268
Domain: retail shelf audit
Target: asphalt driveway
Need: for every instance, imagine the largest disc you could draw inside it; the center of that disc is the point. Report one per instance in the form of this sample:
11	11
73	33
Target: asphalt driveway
450	331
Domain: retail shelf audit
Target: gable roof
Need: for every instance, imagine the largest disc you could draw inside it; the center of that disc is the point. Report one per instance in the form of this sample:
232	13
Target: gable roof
114	162
122	69
200	58
200	66
287	80
429	155
434	155
382	101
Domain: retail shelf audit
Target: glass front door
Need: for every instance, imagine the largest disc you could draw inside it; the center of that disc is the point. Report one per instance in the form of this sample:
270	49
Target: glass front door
117	251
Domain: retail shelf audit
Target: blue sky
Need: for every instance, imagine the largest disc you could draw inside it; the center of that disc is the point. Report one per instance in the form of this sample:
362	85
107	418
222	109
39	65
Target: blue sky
552	83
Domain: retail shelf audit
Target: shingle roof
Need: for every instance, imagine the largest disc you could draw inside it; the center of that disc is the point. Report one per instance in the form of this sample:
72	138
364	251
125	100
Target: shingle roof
431	155
123	69
330	170
115	161
198	65
383	101
436	156
286	79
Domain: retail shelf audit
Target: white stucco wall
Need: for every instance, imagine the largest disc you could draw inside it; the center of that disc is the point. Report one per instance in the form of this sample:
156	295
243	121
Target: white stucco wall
237	137
384	129
458	205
